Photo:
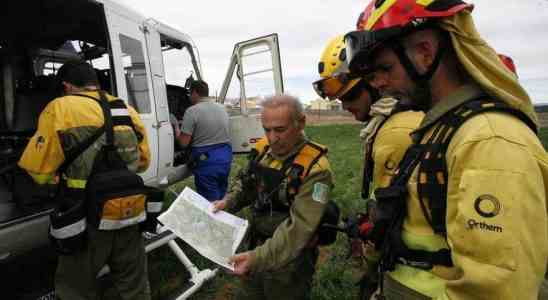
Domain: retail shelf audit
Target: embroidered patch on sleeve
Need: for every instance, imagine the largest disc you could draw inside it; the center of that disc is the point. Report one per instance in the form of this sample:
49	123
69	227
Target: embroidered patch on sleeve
320	192
40	141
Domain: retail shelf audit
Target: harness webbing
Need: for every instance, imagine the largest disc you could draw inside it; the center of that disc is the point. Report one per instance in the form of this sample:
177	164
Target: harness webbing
432	180
118	120
429	155
295	167
306	158
369	163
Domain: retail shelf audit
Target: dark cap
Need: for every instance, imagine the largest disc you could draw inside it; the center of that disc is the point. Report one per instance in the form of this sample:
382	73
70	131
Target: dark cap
77	72
200	87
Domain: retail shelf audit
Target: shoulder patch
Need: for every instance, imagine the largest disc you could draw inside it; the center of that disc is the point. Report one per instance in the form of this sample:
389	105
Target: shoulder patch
320	192
40	141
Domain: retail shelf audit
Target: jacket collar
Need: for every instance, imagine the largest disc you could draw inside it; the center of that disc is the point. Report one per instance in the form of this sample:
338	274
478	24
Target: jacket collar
460	96
298	146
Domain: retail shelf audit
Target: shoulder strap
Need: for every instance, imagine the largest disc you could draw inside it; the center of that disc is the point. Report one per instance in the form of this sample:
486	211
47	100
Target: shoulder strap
309	156
71	155
103	102
369	164
80	148
299	166
432	182
118	111
261	147
109	127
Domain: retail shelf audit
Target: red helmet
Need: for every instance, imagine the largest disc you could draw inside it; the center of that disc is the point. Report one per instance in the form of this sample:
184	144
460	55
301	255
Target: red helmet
385	20
509	63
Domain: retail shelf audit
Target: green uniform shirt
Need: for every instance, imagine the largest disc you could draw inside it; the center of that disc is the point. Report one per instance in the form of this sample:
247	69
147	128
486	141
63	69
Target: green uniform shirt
291	232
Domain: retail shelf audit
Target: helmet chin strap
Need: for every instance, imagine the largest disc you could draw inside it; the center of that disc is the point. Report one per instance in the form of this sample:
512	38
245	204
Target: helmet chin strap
422	81
373	93
410	67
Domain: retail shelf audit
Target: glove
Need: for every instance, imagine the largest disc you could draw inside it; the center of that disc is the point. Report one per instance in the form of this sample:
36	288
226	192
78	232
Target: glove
368	286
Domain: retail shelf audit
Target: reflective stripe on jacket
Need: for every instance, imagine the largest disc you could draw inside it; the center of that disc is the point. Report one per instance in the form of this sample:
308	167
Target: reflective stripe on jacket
69	120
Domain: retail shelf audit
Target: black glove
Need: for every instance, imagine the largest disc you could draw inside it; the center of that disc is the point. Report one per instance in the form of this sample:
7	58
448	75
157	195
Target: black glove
181	157
368	286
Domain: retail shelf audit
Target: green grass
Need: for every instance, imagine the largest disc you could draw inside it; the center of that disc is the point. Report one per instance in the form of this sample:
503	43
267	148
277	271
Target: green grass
336	276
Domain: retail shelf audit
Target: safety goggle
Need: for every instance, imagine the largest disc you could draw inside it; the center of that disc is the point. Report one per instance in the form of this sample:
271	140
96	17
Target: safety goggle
331	87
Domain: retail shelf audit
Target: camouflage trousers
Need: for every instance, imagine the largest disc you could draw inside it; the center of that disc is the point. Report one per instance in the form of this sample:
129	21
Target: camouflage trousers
291	282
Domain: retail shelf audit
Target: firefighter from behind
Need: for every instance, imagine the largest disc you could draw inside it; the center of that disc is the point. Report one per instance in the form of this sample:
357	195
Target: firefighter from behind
466	213
285	193
64	150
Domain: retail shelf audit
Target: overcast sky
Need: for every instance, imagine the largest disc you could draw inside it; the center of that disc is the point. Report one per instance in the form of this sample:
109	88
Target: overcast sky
513	27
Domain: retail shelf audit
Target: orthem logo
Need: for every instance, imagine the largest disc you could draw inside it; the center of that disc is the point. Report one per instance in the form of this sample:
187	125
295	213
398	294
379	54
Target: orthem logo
389	164
473	224
487	206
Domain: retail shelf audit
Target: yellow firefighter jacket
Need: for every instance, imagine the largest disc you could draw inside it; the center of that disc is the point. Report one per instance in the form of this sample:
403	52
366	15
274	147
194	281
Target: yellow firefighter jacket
392	140
69	120
497	225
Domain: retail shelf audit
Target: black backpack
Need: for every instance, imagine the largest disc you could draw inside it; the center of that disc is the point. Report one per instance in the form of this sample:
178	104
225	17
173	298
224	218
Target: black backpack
115	195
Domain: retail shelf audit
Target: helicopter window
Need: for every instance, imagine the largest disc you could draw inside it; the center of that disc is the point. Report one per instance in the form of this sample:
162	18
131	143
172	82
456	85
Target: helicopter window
177	68
135	74
51	68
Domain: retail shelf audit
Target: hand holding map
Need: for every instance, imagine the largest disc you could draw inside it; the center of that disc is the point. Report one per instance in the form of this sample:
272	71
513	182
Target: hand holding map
214	235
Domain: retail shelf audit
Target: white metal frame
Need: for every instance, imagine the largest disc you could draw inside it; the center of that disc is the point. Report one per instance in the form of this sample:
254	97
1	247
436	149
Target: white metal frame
197	277
271	41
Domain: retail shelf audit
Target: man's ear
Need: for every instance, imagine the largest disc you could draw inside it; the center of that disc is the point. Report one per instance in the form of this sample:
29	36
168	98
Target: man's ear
67	87
302	122
423	48
426	52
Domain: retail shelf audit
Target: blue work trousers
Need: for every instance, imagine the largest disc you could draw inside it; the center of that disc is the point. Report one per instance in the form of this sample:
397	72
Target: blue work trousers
211	168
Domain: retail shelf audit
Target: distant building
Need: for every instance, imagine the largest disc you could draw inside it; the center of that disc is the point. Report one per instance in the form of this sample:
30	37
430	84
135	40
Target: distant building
253	105
323	104
541	108
253	102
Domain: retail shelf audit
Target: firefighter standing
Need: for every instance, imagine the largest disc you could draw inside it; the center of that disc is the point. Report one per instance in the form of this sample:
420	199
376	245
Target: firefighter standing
474	186
64	123
286	193
386	135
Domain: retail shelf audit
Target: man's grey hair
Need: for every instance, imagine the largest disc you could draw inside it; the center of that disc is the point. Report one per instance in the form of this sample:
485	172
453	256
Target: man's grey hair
297	110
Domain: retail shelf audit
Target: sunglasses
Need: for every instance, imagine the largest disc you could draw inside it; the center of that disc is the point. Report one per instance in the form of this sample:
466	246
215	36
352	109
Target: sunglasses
332	87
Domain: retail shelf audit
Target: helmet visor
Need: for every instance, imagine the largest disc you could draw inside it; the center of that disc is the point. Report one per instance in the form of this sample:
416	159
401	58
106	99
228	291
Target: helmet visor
361	44
332	87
